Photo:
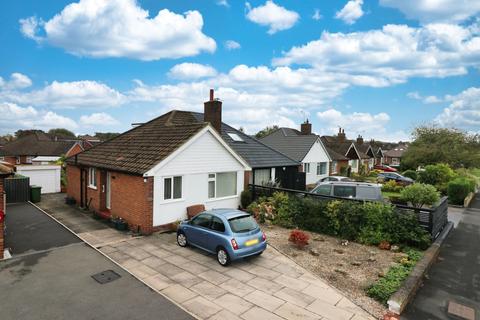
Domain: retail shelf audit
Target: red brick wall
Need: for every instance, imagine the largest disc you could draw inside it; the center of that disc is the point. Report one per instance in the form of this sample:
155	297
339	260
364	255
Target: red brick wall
131	197
11	160
73	151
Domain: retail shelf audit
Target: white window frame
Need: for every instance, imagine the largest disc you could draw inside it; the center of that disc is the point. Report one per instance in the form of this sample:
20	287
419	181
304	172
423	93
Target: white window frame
172	188
17	160
395	161
28	159
334	166
318	168
306	167
92	178
214	180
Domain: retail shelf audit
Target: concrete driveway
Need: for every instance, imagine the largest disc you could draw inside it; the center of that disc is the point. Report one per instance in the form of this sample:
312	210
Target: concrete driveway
50	277
267	287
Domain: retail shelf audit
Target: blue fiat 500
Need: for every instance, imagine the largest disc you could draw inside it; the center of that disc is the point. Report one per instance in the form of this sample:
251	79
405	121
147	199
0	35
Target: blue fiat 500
228	233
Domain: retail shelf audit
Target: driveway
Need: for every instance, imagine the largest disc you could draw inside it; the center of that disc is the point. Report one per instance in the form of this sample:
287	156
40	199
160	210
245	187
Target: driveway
456	275
267	287
50	277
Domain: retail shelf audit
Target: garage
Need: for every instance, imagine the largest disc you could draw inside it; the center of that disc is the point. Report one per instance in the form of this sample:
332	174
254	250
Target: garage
46	176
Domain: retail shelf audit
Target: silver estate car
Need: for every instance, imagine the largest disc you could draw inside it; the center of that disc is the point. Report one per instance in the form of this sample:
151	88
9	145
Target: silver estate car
352	190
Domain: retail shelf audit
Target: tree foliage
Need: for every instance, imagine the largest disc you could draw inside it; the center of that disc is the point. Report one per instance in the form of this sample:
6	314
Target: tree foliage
23	133
433	145
61	132
437	175
419	194
103	136
266	131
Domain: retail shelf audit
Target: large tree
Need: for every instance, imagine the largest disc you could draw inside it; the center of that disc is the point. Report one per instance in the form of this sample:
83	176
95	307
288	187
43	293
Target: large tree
433	145
61	132
23	133
266	131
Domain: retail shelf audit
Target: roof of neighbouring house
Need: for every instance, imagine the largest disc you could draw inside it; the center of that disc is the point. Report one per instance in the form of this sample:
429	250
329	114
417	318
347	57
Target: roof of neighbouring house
37	144
396	152
336	149
141	148
290	142
5	170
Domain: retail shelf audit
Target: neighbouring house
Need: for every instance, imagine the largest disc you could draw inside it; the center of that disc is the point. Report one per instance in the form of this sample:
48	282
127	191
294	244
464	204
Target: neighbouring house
23	150
150	174
304	147
382	148
5	171
366	153
393	157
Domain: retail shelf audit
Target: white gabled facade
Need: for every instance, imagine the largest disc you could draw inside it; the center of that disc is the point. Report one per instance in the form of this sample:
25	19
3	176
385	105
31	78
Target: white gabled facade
202	164
318	162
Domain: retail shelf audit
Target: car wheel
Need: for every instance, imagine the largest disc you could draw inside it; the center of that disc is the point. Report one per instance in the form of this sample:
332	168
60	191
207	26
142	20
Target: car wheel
182	239
222	257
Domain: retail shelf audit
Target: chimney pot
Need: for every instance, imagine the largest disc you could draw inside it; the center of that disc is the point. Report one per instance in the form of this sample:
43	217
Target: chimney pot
212	93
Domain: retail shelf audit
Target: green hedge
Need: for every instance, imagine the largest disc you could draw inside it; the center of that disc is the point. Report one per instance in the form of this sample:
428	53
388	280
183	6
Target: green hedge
365	222
458	190
412	174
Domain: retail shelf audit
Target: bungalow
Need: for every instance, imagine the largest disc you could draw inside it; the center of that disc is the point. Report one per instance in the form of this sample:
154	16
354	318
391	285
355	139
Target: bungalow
394	156
150	174
304	147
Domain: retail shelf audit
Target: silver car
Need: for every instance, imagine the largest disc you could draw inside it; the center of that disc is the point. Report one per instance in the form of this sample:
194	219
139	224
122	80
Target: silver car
334	178
352	190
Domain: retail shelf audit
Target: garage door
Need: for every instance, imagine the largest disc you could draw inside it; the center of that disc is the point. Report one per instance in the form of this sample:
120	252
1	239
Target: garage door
48	177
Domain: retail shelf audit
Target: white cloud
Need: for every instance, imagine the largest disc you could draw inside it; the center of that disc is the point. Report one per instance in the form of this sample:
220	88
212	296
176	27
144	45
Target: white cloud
316	15
428	11
12	111
391	55
185	71
463	112
74	94
276	17
52	120
232	45
16	81
120	28
425	99
351	12
223	3
98	119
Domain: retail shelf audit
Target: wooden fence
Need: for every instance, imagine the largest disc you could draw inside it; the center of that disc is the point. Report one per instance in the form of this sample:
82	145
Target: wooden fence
17	189
433	220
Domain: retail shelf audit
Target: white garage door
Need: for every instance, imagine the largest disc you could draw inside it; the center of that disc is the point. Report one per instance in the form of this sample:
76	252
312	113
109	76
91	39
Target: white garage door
47	177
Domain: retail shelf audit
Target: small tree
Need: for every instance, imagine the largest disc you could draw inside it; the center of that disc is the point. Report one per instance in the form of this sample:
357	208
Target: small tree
438	175
419	194
266	131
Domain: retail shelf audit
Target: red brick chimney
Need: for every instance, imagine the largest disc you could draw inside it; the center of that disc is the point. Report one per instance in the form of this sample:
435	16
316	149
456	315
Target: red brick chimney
360	139
341	135
212	112
306	128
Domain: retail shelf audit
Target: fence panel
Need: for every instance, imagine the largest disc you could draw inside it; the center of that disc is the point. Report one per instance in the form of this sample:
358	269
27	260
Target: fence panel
433	220
17	189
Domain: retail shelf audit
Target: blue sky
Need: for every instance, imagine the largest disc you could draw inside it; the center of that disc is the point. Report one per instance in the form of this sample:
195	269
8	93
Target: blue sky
376	68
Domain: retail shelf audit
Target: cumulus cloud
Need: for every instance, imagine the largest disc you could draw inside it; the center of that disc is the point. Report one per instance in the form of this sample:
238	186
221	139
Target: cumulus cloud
121	28
463	112
185	71
425	99
98	119
427	11
232	45
276	17
90	94
351	12
393	54
16	81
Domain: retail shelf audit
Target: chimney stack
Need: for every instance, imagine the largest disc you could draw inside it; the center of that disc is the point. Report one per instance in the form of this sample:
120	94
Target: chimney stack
360	139
306	128
212	112
341	135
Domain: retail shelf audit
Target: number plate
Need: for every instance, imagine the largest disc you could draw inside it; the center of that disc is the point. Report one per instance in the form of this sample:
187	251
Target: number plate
251	242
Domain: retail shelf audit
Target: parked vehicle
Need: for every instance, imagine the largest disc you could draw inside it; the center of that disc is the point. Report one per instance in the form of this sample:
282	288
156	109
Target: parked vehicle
334	178
393	176
230	234
385	168
352	190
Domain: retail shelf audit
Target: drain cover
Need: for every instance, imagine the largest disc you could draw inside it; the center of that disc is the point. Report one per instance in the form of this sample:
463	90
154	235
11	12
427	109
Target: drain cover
461	311
106	276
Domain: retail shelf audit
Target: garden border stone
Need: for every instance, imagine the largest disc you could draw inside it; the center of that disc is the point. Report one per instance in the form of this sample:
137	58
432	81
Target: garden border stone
400	299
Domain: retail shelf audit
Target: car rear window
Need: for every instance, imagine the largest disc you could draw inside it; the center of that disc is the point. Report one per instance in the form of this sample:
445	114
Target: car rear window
344	191
242	224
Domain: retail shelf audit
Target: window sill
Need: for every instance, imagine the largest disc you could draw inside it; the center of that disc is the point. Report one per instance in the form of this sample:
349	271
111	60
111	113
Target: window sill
223	198
92	187
165	201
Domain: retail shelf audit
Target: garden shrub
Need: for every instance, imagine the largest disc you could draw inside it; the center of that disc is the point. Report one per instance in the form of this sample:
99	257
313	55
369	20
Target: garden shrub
458	189
419	194
437	175
299	238
391	186
412	174
246	198
383	289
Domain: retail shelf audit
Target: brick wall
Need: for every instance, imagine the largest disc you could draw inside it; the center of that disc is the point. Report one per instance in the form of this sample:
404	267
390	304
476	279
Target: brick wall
131	197
11	160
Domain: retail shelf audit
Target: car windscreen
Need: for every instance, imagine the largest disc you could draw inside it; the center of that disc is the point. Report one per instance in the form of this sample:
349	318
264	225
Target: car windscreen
242	224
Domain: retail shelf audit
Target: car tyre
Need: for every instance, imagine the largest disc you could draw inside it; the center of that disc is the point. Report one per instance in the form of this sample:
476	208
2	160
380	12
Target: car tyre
182	239
222	257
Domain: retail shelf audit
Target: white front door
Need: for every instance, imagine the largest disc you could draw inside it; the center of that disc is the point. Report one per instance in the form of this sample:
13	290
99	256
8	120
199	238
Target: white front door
108	193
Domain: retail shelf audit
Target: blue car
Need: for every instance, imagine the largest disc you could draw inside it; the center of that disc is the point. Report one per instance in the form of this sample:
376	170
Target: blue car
228	233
